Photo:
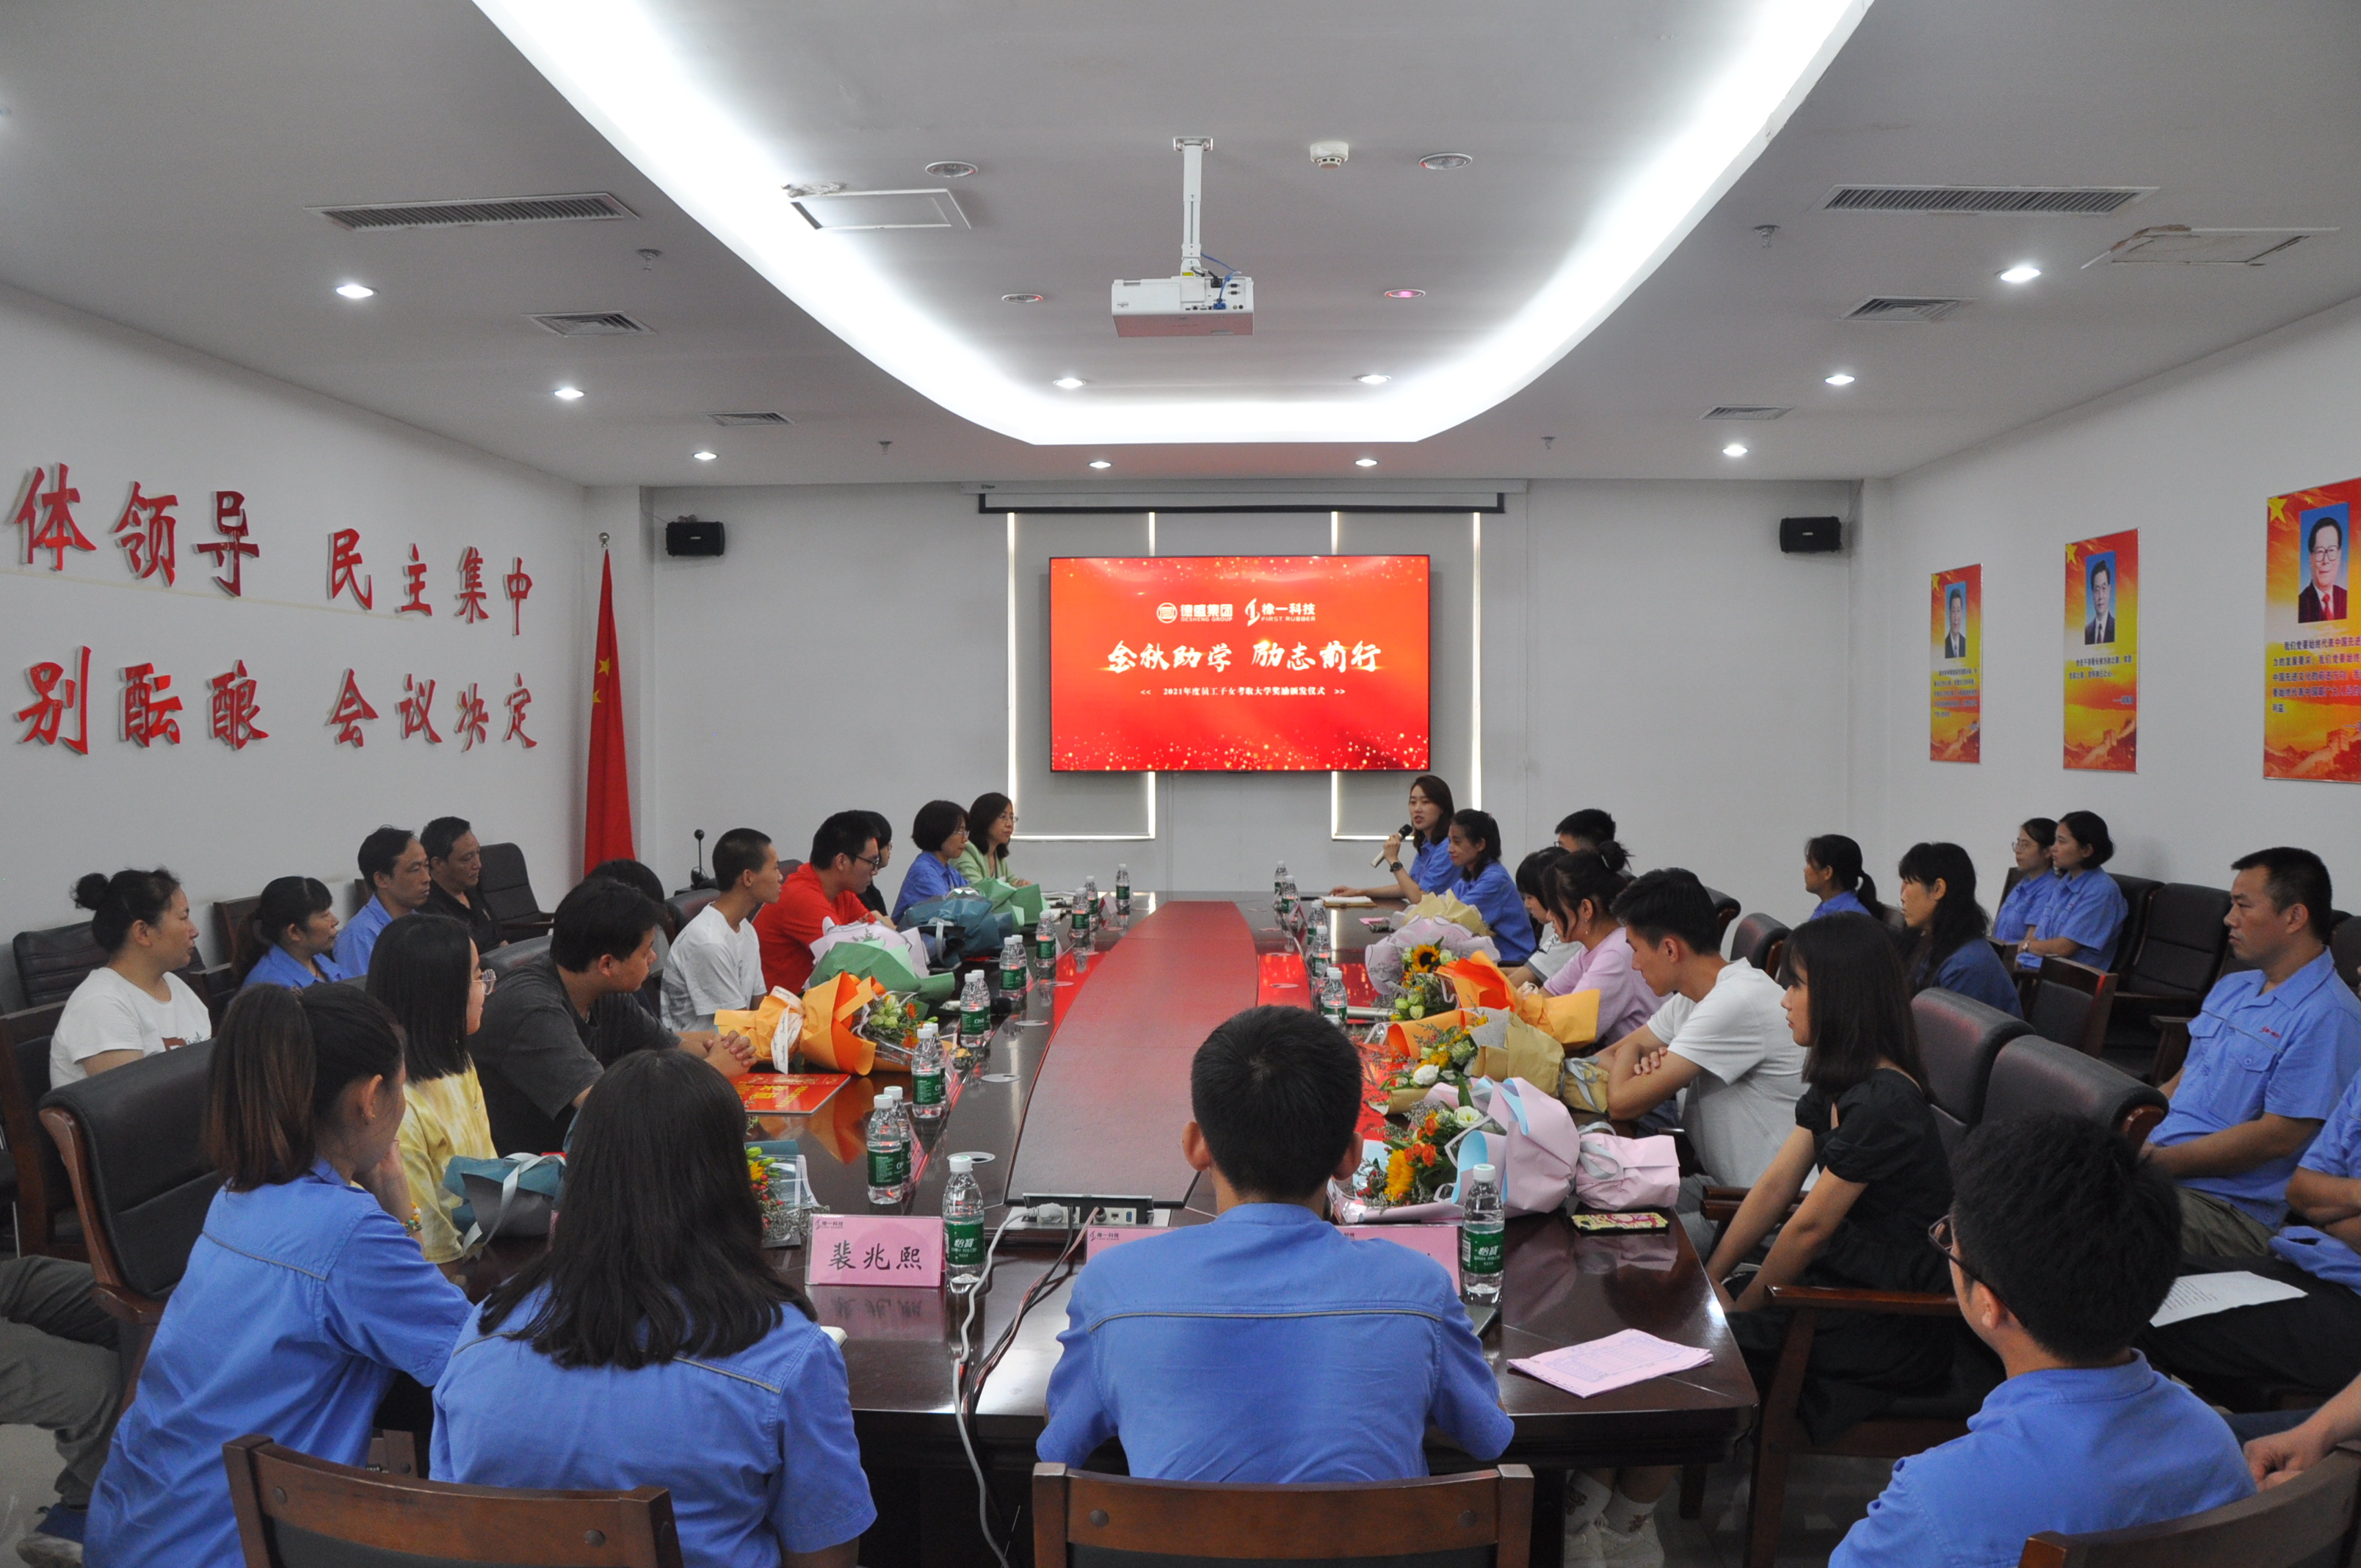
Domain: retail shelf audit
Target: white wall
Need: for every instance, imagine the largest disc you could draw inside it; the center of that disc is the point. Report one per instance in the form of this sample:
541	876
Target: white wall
116	406
2189	458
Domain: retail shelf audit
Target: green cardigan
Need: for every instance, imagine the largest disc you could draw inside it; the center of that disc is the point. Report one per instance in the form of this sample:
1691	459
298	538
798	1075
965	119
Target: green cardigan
972	864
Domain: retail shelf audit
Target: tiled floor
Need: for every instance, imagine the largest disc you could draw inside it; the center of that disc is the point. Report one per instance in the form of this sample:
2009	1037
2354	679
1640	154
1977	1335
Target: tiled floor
1824	1497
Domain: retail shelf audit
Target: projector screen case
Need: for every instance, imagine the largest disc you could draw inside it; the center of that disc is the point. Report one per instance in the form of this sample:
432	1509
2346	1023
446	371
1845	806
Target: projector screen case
1238	664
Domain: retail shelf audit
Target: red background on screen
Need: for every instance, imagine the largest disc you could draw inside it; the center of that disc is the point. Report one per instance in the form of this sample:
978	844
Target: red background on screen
1326	610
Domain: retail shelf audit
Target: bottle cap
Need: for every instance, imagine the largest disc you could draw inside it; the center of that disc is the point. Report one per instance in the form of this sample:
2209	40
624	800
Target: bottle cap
1481	1172
963	1164
927	1028
892	1096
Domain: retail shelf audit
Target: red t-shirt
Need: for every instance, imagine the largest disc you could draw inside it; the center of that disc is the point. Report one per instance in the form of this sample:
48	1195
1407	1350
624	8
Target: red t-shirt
787	929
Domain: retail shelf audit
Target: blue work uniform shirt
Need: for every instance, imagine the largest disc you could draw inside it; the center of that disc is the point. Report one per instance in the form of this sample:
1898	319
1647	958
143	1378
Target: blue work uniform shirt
302	1299
2287	1051
928	878
757	1448
1492	893
2022	907
1973	968
357	940
2087	906
2336	1152
1268	1346
276	968
2072	1450
1432	869
1839	903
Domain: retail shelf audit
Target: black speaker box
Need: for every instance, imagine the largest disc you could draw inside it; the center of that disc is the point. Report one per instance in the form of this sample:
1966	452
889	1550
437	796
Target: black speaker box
687	536
1798	535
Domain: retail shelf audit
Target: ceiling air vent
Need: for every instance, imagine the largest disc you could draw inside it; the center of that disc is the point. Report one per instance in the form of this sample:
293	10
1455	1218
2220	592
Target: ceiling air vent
1902	308
1744	411
2178	245
591	323
833	210
2092	199
496	210
762	417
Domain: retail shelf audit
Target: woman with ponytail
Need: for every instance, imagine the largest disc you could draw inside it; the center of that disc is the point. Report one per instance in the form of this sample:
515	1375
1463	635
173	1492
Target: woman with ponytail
1833	874
305	1293
132	1005
296	930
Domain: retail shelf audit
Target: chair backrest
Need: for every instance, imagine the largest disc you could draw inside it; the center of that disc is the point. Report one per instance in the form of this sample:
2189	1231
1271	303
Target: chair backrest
234	930
50	963
505	888
133	1140
688	906
2314	1515
2008	883
1959	1039
1480	1520
2033	1074
514	955
43	1191
2345	945
2070	1003
2137	890
1725	910
1752	938
295	1511
2181	947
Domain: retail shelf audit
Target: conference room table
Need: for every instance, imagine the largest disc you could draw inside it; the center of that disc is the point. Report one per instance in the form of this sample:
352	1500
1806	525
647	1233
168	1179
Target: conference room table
1085	1091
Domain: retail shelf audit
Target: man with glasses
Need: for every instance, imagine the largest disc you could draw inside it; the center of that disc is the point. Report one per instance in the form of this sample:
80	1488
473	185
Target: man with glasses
2062	1245
393	864
824	891
2322	599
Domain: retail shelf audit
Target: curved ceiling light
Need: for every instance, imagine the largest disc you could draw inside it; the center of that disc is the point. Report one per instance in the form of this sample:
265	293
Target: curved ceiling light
615	63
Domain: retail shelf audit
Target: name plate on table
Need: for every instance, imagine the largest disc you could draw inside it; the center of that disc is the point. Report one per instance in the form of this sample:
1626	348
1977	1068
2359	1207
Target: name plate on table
1439	1243
1103	1238
875	1249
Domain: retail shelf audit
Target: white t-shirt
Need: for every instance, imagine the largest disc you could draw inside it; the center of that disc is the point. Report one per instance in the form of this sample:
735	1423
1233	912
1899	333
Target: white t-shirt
107	1013
710	968
1742	1105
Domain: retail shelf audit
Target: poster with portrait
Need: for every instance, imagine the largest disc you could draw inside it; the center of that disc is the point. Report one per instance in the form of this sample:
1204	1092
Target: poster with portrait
2312	650
2103	653
1955	693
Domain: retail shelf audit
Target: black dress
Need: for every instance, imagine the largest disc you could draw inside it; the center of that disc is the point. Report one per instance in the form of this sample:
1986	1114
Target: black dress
1884	1139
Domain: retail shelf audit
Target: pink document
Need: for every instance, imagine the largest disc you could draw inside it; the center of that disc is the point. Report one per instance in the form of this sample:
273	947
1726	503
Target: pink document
1616	1362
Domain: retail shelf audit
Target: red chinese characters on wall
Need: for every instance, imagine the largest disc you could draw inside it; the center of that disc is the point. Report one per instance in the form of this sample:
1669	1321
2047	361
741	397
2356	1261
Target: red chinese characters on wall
471	587
351	712
344	567
55	696
146	711
144	532
473	717
518	586
414	588
519	699
416	708
234	710
47	519
231	549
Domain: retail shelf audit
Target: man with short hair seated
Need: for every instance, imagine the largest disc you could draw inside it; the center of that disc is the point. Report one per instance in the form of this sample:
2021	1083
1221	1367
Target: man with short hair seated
2267	1057
825	890
716	960
553	1022
393	865
2062	1246
1268	1346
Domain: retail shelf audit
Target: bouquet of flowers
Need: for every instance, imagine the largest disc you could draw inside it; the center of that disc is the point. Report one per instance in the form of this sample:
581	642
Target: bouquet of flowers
891	1024
1424	987
775	1187
1444	1061
1416	1164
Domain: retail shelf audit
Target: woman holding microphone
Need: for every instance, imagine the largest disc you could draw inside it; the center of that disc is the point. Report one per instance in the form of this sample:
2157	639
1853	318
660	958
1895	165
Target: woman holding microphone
1430	868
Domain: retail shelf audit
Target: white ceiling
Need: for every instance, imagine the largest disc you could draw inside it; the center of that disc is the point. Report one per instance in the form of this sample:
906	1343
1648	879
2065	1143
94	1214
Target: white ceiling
156	165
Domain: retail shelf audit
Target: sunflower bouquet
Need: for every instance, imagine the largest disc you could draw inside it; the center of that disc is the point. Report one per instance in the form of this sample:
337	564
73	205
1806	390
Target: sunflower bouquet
1424	987
1416	1164
1443	1059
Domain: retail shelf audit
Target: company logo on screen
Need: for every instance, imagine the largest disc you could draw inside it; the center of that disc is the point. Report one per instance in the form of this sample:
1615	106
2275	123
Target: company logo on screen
1230	663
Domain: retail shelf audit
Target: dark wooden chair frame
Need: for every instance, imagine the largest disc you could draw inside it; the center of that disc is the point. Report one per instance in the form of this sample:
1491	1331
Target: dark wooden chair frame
2274	1529
2098	985
271	1486
138	1314
1359	1519
36	1206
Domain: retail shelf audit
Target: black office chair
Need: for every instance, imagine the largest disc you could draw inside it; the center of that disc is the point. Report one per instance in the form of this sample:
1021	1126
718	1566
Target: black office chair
511	956
688	906
507	891
1959	1039
1725	910
2071	1002
2180	953
2137	890
1755	937
38	1189
2033	1074
51	962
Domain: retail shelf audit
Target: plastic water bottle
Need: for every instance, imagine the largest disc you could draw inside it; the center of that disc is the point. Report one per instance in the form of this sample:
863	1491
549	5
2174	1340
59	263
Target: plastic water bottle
1078	921
1012	966
889	1149
962	1221
974	1016
1481	1237
1332	999
1318	962
927	1101
1044	948
1278	882
1091	897
1123	890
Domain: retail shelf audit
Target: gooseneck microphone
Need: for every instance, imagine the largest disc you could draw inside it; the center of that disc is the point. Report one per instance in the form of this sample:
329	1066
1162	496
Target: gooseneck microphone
1380	859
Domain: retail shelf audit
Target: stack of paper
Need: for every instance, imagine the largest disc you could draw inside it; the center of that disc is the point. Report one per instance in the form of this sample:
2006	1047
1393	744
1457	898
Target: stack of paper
2203	1295
1616	1362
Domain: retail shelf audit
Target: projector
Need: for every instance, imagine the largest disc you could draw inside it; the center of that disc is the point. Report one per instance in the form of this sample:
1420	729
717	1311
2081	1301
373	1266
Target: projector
1207	299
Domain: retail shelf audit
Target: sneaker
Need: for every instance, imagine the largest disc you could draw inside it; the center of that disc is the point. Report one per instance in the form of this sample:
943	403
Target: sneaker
1582	1548
56	1542
1638	1549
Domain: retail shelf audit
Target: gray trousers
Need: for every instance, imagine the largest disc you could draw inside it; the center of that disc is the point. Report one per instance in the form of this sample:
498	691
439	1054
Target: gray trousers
58	1370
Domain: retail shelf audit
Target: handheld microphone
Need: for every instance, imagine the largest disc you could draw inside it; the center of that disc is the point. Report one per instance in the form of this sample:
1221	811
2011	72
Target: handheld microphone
1380	859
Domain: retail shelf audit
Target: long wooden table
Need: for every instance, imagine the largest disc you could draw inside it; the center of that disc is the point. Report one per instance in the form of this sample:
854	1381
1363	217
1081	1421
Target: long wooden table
1086	1090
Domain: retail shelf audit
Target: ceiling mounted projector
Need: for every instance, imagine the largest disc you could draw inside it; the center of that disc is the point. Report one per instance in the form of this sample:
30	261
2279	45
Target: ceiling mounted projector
1207	300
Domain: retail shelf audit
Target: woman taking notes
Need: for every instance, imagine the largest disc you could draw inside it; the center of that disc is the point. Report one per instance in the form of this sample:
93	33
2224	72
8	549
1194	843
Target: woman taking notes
1431	868
297	928
991	824
1938	904
1485	885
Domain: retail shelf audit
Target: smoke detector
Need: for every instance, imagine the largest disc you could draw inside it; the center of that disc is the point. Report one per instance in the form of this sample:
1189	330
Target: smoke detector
1330	155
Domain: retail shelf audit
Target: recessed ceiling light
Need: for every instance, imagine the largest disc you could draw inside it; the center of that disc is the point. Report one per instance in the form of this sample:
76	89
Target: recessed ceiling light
1839	379
1405	293
355	290
1365	462
951	169
1020	298
702	456
1735	449
1069	382
1100	463
2023	272
1445	160
569	393
1373	380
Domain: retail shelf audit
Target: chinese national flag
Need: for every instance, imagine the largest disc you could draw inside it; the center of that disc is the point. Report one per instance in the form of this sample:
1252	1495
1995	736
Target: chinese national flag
607	809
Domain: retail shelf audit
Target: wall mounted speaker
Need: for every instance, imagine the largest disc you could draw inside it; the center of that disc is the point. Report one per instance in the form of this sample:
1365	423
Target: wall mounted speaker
1798	535
688	537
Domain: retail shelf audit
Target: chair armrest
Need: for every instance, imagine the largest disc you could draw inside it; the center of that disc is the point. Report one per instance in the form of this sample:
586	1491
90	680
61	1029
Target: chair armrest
2171	1051
1907	1304
127	1306
527	926
1721	1204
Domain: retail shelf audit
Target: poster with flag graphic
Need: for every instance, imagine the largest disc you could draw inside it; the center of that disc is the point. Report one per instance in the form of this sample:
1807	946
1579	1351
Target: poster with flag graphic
2103	653
606	803
2312	650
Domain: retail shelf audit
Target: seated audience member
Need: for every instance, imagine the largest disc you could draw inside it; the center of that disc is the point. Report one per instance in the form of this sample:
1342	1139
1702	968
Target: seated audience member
134	1004
2061	1247
1580	892
393	867
2283	1444
871	896
1431	868
2035	881
991	824
1833	874
557	1021
295	925
1551	952
824	891
427	973
717	962
454	865
655	1345
59	1371
1586	829
2268	1057
940	835
306	1292
641	879
2084	914
1244	1351
1722	1034
1485	885
1938	904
